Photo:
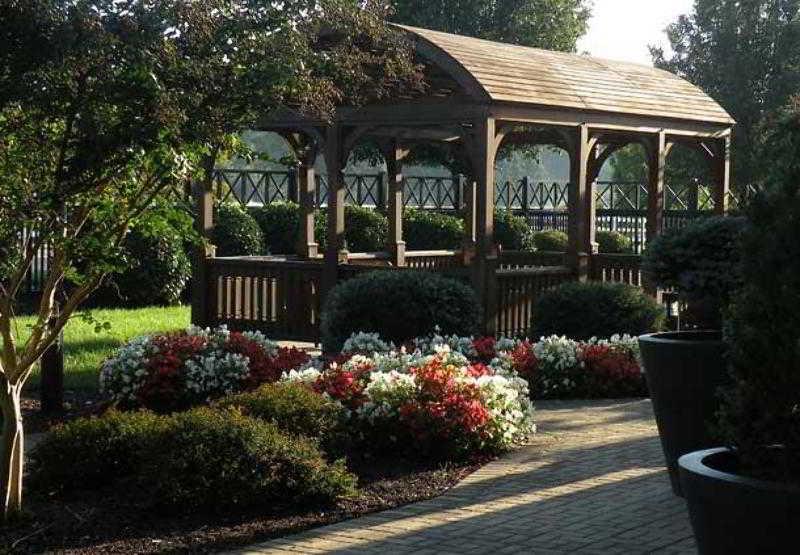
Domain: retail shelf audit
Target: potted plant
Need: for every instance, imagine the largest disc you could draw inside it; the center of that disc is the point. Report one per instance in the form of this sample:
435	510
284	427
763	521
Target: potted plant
684	369
745	498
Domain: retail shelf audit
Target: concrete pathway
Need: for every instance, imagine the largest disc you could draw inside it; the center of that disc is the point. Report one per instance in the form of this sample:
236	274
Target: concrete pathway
592	481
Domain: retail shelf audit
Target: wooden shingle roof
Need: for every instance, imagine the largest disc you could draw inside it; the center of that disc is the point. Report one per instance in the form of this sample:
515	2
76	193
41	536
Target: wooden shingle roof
518	74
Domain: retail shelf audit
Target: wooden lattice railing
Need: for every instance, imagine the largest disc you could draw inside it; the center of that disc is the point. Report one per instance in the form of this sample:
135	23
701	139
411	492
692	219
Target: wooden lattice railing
278	297
617	268
518	291
511	260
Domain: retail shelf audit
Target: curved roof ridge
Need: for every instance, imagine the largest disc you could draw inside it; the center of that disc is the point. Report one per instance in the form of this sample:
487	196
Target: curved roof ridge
500	72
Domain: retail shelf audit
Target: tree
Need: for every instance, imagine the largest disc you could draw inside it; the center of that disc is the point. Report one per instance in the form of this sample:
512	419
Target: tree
550	24
106	103
746	55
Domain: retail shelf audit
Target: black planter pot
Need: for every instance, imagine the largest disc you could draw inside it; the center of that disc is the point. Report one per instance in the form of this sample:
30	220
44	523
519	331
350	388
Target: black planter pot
733	514
684	371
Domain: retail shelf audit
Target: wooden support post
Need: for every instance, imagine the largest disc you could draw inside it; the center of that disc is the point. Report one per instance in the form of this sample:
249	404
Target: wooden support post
204	200
335	252
525	200
657	154
307	246
381	195
396	247
722	176
468	189
486	257
582	200
293	185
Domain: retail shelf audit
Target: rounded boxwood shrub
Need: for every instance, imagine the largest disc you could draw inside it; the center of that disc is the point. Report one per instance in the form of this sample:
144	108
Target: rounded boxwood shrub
236	232
550	241
512	232
398	305
280	226
156	273
90	453
295	409
702	262
614	242
581	311
366	230
220	459
427	230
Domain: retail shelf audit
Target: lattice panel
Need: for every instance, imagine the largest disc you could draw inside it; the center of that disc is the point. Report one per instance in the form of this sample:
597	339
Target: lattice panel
437	193
621	195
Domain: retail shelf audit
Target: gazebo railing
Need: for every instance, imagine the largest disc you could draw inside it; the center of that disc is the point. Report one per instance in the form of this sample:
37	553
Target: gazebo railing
517	293
278	297
617	268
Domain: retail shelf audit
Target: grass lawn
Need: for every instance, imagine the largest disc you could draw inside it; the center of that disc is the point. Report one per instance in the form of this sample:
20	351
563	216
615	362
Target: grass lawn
86	349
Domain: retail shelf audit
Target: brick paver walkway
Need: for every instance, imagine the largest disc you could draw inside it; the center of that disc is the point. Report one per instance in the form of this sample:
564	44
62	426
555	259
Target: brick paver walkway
592	481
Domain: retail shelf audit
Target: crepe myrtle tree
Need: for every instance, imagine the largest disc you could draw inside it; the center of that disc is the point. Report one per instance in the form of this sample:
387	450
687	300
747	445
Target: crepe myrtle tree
106	104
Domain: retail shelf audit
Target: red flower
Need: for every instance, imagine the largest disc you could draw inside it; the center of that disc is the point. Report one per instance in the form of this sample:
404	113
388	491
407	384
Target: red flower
263	367
163	385
485	347
479	369
342	385
611	370
525	361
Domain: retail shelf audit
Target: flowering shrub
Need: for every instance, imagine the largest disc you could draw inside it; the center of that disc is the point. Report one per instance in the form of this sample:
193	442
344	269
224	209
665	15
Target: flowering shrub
169	372
427	403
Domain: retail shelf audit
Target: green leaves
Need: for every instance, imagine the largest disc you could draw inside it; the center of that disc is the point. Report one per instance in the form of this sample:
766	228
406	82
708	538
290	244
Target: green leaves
746	55
550	24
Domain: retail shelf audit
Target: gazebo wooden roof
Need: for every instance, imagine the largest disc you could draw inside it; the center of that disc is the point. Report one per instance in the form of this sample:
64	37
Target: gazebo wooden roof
492	71
481	94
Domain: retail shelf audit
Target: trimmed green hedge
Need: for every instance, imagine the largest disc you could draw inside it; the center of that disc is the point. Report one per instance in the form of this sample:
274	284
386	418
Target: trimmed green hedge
614	242
90	453
280	226
425	230
156	273
219	459
550	241
212	459
512	232
581	311
295	409
236	233
366	230
398	305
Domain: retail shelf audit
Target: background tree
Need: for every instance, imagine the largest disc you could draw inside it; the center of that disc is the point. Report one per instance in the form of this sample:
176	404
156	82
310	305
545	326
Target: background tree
745	54
550	24
106	103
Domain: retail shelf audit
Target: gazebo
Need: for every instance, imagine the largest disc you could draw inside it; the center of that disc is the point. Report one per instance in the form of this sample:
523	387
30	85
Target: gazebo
481	94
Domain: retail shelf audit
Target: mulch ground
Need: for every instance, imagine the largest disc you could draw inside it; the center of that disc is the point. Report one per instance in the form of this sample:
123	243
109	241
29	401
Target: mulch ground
120	521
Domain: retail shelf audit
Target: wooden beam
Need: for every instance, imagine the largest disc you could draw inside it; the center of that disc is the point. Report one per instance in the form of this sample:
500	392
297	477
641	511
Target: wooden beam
657	161
601	121
483	146
582	243
394	155
335	252
306	147
722	175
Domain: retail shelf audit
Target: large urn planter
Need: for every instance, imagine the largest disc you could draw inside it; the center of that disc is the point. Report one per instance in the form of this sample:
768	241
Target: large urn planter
731	513
684	370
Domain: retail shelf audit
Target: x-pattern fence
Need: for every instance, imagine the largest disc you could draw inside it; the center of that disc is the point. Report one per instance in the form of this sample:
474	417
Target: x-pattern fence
621	206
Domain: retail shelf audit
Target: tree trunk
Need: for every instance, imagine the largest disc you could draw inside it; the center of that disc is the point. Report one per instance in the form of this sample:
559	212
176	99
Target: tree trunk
11	451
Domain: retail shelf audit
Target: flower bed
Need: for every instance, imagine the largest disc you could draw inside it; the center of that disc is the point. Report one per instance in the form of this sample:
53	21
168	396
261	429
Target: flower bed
437	404
175	371
555	367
